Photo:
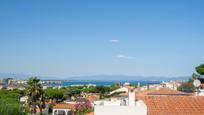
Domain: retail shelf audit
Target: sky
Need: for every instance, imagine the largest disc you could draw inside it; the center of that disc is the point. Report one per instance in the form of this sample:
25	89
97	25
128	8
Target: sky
94	37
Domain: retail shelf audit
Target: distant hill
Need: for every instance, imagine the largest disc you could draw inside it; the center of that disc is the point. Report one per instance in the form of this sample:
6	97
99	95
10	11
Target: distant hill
13	75
25	76
96	77
127	78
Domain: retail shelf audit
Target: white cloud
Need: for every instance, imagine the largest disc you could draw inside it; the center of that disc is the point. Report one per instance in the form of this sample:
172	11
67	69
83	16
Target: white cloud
114	41
121	56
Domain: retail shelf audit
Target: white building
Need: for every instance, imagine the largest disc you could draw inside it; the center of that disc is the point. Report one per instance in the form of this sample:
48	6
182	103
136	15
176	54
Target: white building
122	89
126	84
200	92
1	86
24	99
171	85
121	106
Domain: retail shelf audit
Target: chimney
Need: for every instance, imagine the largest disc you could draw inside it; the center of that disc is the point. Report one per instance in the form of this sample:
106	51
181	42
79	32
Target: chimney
131	97
199	92
138	84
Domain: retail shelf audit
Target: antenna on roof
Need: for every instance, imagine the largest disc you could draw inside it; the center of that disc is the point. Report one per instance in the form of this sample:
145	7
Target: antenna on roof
197	84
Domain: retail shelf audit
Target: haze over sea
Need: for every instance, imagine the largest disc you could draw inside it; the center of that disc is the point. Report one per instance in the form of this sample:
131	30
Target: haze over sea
69	83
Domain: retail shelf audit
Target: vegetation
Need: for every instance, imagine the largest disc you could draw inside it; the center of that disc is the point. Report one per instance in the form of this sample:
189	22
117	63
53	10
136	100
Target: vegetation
73	92
188	86
200	69
11	109
35	95
10	105
84	106
200	72
9	102
55	94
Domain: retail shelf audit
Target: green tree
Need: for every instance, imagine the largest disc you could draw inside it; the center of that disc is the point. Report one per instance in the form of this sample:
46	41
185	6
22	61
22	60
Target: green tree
200	72
103	90
54	95
35	95
9	102
200	69
11	109
186	86
73	92
195	76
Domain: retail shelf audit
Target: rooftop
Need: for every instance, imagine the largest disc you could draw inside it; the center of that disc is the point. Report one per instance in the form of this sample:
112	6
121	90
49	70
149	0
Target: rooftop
166	91
161	92
174	105
64	106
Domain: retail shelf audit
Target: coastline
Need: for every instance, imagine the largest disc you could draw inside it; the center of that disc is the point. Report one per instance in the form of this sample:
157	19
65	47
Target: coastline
105	83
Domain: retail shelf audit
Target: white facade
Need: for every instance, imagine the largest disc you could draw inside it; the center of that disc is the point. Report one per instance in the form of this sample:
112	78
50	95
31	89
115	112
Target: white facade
139	109
112	102
200	92
126	84
122	89
171	85
1	86
61	111
24	99
131	97
120	106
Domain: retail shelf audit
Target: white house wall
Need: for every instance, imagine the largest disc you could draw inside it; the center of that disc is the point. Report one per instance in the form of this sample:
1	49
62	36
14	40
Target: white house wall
120	110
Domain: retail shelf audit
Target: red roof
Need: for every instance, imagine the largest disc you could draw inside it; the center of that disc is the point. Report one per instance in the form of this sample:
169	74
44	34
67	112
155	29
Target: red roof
174	105
165	91
159	92
92	113
124	94
64	106
202	85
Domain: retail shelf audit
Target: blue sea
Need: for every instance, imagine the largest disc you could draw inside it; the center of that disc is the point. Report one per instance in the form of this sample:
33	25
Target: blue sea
69	83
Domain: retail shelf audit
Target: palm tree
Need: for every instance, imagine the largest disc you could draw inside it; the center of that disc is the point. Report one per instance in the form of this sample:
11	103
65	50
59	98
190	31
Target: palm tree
35	95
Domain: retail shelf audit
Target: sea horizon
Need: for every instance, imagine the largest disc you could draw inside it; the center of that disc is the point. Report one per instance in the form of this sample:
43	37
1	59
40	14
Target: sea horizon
98	83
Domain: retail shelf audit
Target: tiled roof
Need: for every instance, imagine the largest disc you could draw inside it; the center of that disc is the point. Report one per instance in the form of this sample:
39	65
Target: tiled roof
202	85
64	106
143	93
159	92
166	91
38	110
92	98
124	94
174	105
92	113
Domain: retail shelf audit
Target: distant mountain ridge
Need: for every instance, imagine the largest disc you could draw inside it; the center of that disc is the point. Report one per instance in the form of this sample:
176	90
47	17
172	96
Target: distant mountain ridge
127	78
97	77
25	76
13	75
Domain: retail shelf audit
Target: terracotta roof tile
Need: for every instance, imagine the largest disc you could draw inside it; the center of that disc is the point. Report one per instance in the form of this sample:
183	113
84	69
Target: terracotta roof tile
166	91
93	98
202	85
174	105
92	113
124	94
161	91
65	106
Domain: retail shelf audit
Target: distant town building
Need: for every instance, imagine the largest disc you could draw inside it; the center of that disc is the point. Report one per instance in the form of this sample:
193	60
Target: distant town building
172	85
126	84
121	106
24	99
5	81
121	89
